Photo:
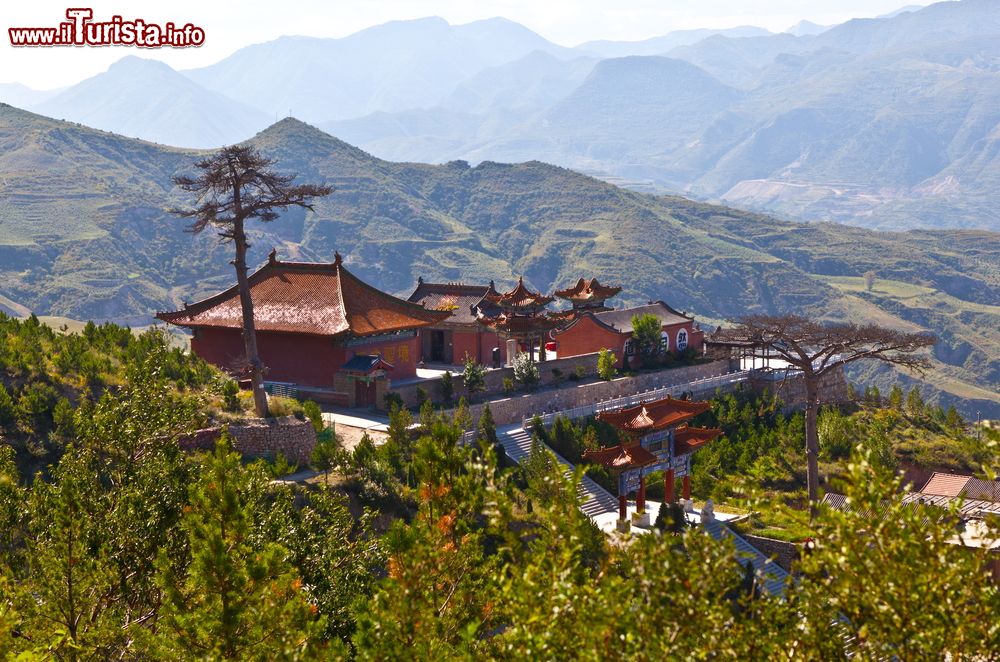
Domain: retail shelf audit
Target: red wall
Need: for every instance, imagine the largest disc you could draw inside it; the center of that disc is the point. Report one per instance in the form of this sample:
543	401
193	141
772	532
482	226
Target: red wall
300	359
402	354
587	337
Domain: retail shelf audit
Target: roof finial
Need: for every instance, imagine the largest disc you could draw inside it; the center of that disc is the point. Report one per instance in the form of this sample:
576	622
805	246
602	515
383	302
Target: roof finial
420	280
337	259
272	257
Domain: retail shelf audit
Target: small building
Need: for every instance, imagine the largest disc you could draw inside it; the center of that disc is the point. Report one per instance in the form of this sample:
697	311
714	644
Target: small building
612	329
587	296
958	485
521	320
657	438
461	334
318	325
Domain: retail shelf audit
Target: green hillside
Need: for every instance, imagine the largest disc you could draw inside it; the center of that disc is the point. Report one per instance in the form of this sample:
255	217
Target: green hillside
84	234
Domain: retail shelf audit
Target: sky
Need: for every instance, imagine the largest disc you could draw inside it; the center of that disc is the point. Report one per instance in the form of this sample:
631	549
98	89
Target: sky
230	26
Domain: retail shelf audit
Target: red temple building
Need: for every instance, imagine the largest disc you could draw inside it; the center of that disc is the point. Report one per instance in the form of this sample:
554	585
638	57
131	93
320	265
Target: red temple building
612	329
461	334
587	296
657	438
521	319
318	325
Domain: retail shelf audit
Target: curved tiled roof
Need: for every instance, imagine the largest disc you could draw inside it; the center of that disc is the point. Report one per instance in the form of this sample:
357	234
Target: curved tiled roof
519	297
686	439
323	299
462	300
621	457
514	324
654	415
587	290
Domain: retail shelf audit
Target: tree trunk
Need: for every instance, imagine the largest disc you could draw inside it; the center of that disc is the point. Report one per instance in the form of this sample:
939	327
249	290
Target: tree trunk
812	441
249	330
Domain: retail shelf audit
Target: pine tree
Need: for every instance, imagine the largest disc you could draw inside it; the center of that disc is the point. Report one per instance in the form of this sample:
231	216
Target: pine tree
487	429
896	398
6	407
235	599
914	402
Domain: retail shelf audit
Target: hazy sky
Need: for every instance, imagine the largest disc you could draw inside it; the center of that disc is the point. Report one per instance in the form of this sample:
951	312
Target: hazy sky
231	25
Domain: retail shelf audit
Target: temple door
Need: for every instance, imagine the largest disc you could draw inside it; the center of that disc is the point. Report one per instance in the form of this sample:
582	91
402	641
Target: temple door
364	393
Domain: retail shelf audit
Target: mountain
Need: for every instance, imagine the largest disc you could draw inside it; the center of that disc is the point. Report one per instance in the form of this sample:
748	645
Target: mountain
84	234
888	123
805	28
22	96
662	44
149	100
392	67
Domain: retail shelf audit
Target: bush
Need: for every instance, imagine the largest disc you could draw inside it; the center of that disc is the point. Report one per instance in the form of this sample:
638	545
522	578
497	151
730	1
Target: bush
280	406
314	414
230	396
606	364
447	388
579	372
508	385
474	376
525	371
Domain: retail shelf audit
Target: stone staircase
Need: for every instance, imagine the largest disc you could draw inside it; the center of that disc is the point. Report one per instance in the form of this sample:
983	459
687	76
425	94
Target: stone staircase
594	499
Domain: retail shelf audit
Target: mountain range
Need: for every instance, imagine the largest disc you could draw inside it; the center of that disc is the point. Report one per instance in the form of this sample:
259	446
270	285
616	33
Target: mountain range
887	123
84	234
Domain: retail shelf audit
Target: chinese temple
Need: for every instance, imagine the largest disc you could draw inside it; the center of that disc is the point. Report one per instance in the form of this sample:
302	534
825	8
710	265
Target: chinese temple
587	296
318	325
521	320
658	438
460	335
590	332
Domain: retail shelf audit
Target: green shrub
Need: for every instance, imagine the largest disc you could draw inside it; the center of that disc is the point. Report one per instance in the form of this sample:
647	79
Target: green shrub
281	406
230	400
526	371
314	414
606	364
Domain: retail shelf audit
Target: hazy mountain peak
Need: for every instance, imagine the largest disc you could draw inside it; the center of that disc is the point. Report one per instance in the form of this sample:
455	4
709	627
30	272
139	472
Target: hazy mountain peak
132	63
803	28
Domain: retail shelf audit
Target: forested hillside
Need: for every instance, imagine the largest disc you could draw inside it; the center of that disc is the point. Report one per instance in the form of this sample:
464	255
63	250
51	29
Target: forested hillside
85	233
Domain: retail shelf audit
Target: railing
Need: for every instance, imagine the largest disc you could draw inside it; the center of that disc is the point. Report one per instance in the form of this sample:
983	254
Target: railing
706	383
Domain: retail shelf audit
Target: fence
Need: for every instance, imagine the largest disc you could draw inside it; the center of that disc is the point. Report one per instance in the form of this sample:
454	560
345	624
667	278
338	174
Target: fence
704	384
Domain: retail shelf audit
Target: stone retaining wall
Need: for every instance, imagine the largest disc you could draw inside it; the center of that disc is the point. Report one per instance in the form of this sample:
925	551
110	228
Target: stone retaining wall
549	372
792	390
261	438
517	407
785	554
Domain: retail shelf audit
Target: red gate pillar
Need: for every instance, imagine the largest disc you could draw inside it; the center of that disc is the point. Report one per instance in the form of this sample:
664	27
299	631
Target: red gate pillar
640	497
668	486
622	507
687	487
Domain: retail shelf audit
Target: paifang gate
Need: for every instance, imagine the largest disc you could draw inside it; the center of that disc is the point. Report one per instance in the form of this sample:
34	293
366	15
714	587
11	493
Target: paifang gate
655	437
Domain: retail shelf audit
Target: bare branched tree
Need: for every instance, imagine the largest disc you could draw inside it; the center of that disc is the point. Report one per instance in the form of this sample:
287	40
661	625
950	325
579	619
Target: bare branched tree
817	349
235	185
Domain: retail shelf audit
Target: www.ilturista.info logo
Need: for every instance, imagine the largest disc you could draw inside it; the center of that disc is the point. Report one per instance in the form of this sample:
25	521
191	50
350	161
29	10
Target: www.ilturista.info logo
81	30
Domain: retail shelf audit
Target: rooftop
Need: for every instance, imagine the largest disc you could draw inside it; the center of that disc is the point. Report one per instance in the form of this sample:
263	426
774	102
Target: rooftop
587	291
621	457
655	415
460	299
312	298
953	485
519	297
621	320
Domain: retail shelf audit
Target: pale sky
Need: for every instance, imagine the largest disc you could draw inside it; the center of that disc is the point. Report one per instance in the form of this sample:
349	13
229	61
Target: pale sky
231	25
